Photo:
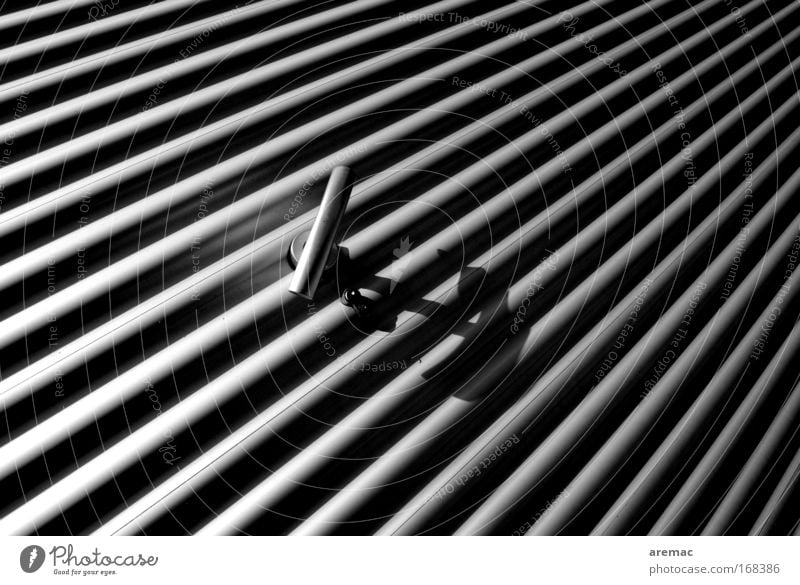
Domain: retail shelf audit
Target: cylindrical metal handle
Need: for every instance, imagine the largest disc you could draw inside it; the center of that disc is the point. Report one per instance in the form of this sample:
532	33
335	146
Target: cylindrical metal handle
322	238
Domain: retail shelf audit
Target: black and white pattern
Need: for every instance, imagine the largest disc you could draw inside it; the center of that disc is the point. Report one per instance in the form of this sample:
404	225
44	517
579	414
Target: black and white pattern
562	298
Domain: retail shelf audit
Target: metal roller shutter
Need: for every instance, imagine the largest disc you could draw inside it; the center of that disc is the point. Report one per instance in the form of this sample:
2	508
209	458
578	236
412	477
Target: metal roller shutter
575	225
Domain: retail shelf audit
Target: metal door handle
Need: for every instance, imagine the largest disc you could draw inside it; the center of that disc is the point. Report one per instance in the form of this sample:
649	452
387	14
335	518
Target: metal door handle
322	239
